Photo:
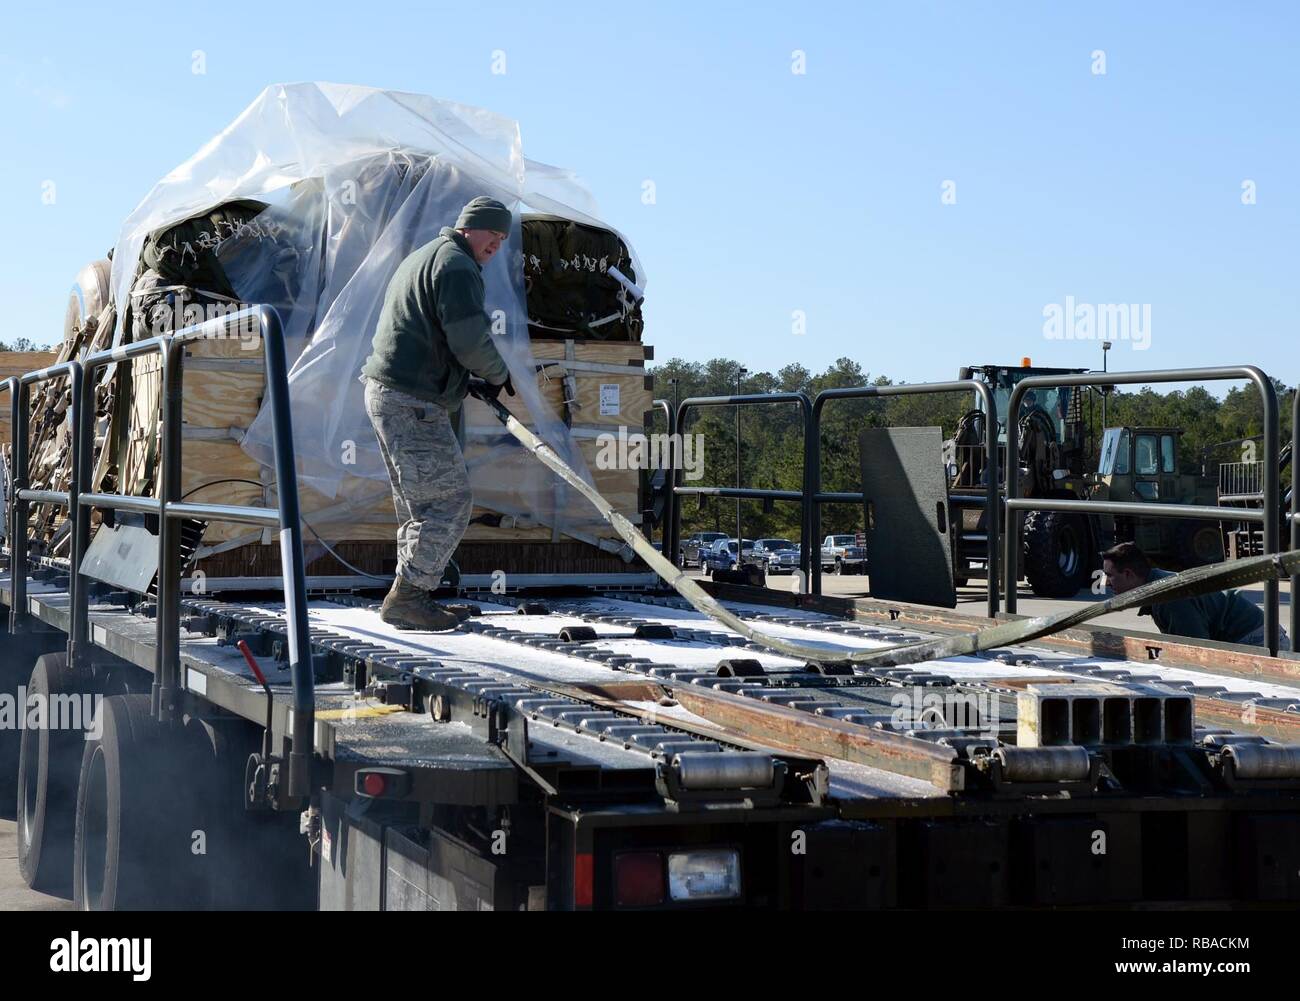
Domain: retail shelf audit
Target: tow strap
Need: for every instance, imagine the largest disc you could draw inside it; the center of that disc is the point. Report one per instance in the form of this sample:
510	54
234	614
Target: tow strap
1189	583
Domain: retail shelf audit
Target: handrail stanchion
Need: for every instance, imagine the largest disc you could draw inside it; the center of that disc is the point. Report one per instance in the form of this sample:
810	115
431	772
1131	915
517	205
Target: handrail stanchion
167	680
669	496
916	389
21	495
1295	516
748	493
292	567
1269	516
18	509
10	386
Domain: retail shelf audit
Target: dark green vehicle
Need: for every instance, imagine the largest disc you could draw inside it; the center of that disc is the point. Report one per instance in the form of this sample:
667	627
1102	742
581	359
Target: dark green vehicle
1140	464
1060	551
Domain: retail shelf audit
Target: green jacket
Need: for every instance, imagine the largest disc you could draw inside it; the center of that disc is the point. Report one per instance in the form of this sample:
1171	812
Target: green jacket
433	331
1220	615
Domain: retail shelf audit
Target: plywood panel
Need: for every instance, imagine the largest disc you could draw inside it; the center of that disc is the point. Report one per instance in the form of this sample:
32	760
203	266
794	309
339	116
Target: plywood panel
18	363
222	399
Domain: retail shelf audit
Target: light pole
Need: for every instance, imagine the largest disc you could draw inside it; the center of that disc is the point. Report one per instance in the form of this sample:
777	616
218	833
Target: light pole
739	544
1105	390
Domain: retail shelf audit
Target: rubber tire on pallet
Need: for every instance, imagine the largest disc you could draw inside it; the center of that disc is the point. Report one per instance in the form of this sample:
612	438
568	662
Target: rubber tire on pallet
47	782
137	804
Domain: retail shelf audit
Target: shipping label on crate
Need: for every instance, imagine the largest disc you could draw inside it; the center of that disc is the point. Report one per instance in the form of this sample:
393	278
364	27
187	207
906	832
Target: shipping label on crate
609	406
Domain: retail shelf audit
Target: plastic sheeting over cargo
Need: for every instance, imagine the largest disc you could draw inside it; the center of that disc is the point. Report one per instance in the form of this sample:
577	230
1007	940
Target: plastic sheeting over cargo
354	179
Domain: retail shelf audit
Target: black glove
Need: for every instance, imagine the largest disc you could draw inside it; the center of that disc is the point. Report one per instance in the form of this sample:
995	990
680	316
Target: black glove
486	391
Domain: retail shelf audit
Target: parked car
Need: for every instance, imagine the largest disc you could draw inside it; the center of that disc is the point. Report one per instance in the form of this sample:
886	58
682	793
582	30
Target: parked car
842	554
775	555
693	544
722	555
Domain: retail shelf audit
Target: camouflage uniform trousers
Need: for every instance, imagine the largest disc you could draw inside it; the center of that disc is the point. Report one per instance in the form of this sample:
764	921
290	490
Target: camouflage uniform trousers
431	491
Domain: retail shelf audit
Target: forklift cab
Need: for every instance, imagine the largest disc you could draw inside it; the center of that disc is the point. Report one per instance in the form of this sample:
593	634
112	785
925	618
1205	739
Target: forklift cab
1140	464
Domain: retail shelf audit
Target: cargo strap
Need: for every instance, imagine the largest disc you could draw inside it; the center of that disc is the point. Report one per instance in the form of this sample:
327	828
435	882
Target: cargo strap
1189	583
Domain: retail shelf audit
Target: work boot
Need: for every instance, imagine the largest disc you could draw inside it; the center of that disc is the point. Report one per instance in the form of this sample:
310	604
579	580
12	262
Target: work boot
407	606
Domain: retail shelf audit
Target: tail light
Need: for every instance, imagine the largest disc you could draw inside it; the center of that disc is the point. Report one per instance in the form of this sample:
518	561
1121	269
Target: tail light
639	879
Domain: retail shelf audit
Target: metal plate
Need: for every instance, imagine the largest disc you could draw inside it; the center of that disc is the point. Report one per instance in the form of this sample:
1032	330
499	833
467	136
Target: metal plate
125	556
909	555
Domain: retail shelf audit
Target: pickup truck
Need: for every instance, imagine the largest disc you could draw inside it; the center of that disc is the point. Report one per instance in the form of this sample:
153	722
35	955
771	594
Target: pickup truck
774	555
692	550
843	554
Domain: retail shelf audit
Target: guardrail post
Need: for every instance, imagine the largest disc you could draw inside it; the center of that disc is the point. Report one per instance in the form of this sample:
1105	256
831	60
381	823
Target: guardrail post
914	389
813	460
804	498
1295	516
1270	516
10	386
167	679
670	495
291	559
83	433
18	509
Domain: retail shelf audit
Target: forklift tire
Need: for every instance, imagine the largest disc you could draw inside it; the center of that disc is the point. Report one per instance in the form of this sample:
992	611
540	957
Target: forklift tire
137	805
48	760
1198	543
1058	553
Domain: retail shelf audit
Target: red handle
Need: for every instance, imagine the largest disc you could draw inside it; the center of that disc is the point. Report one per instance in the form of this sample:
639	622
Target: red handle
252	662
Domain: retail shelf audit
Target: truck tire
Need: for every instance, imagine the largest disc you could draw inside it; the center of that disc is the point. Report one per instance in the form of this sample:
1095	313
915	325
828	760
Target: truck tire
137	807
839	568
48	759
13	674
1058	553
1198	543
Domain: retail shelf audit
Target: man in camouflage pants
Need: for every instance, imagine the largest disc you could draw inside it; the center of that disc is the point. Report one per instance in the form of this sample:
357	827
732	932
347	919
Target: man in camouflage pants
433	333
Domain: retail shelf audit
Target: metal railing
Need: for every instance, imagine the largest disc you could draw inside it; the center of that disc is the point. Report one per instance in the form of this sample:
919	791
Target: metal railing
989	498
1295	516
673	541
10	386
670	497
21	496
169	509
811	497
1269	515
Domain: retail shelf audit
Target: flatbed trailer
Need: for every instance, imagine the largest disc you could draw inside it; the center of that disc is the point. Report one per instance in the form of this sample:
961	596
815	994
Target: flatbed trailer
271	743
525	762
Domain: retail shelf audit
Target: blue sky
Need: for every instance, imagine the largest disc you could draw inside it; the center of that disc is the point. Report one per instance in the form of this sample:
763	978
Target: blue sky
775	191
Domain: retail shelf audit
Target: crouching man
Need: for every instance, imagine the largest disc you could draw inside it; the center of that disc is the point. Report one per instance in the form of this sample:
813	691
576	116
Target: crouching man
1226	616
433	344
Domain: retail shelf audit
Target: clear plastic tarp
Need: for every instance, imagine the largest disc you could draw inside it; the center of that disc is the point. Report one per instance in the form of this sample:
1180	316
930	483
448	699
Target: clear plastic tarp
355	179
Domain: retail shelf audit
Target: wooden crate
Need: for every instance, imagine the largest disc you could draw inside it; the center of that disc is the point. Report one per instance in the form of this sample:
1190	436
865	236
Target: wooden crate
223	390
18	363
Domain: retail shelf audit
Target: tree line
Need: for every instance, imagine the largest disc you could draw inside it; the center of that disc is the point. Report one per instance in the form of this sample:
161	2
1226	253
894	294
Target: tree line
771	436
